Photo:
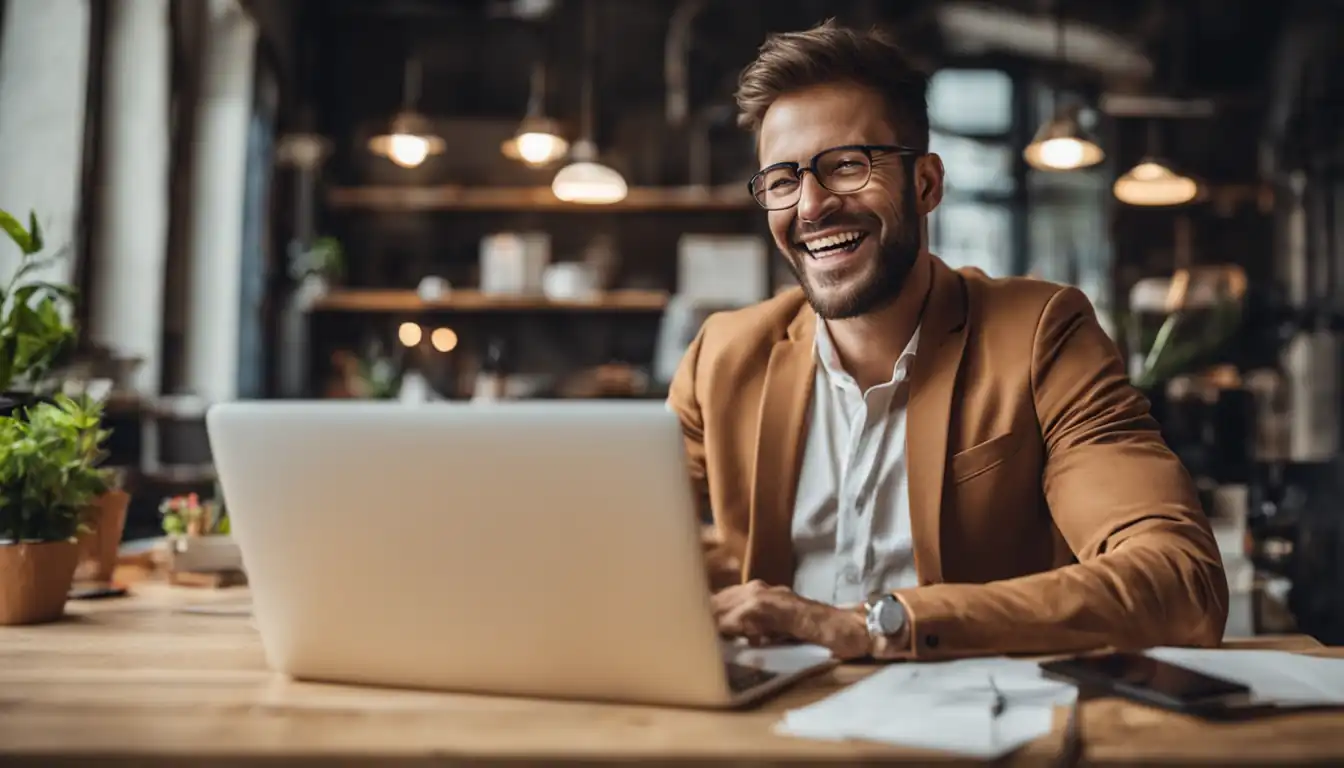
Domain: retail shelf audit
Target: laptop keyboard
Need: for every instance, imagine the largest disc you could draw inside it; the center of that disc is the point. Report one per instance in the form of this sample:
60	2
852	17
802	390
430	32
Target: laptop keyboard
743	678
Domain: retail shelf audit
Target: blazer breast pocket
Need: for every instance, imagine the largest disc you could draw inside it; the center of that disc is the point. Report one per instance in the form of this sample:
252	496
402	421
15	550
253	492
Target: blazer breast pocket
981	458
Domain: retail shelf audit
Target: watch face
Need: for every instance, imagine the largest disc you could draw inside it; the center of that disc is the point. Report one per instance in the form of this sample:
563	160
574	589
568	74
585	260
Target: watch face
891	615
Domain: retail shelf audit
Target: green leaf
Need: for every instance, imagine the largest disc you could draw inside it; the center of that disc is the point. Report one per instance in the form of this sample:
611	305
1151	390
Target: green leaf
49	468
31	265
28	349
34	233
57	290
34	334
16	232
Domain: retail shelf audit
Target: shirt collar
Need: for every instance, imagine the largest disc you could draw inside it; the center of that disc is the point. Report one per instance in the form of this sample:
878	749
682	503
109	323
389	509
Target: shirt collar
835	370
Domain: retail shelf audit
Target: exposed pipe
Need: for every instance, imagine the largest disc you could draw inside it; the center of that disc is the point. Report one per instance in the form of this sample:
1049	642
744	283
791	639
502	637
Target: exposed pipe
1303	36
676	60
1336	241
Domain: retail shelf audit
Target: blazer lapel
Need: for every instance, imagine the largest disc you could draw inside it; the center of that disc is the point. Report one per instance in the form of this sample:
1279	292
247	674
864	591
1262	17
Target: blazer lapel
933	384
785	401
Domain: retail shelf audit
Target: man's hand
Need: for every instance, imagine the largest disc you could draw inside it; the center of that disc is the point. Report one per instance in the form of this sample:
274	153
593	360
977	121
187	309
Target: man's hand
764	614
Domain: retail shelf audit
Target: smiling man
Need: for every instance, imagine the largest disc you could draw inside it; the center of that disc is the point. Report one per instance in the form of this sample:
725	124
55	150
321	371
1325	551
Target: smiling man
903	460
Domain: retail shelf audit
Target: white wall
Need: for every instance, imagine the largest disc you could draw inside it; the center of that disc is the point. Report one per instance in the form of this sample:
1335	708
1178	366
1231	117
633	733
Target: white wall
126	305
43	68
215	253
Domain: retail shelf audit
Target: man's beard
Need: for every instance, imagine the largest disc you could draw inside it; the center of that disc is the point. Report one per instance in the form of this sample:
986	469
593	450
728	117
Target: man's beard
884	280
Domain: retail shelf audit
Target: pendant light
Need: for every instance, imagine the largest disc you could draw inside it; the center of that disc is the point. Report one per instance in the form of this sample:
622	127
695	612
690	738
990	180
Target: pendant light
1062	144
410	138
1153	182
538	141
585	180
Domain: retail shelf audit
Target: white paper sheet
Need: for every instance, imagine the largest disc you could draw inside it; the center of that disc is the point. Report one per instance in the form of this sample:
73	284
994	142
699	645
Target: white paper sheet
784	659
1275	677
946	706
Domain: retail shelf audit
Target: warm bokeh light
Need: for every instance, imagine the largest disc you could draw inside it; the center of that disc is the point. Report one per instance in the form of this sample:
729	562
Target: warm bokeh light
409	141
410	334
443	339
407	151
591	183
1063	154
1151	183
540	148
536	148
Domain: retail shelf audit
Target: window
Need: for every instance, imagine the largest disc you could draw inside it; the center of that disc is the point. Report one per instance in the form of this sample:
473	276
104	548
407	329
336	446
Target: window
1067	222
974	166
971	101
971	128
974	234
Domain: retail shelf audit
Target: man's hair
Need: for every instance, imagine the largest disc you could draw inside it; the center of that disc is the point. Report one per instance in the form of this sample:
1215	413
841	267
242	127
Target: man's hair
830	53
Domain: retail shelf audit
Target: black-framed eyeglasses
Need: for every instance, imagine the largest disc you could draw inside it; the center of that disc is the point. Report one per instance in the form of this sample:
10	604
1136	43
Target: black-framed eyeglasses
841	170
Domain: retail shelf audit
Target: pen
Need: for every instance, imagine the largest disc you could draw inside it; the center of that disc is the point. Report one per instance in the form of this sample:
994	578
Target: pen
1000	701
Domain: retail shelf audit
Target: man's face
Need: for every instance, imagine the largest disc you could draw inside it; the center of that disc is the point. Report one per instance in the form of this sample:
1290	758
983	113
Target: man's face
885	214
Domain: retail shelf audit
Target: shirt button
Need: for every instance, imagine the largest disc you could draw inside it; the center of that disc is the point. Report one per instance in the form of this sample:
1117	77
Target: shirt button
851	574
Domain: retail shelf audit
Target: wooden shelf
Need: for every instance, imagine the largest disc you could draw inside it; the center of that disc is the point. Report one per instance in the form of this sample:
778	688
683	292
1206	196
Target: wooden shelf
470	300
458	198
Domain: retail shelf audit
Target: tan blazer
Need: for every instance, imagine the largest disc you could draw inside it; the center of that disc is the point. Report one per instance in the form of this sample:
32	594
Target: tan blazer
1048	514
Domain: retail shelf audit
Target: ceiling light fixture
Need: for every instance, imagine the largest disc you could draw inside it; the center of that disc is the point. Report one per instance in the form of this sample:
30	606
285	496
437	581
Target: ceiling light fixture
1150	183
538	141
410	138
1154	182
585	180
1061	143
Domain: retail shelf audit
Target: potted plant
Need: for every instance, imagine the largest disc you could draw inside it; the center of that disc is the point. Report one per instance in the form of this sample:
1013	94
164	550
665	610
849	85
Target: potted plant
188	516
317	267
100	538
49	478
198	540
35	330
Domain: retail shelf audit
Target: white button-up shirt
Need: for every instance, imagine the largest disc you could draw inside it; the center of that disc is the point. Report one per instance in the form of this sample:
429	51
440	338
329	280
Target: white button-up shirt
851	519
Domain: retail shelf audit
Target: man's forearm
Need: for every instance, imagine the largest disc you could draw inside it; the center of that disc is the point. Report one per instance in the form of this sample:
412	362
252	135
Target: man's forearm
1162	588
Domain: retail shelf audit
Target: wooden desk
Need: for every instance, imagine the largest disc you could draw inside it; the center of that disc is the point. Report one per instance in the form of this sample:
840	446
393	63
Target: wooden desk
139	682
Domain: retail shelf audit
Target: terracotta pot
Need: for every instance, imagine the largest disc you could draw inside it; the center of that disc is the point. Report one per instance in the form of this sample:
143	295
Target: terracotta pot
35	579
98	547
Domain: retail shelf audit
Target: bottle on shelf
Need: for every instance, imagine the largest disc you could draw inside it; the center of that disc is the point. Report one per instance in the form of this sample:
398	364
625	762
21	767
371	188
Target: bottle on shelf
492	379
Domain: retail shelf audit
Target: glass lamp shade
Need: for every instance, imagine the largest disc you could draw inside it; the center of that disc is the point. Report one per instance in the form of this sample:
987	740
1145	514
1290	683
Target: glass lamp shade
1151	183
408	142
537	143
587	181
1063	145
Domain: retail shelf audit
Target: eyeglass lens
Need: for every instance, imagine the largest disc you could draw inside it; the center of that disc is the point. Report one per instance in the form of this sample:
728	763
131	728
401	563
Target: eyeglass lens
838	170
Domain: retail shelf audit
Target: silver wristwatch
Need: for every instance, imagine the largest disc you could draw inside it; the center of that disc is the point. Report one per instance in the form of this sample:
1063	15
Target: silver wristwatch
886	615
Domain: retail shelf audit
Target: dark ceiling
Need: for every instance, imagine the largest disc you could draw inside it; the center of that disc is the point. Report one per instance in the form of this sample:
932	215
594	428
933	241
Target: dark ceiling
477	54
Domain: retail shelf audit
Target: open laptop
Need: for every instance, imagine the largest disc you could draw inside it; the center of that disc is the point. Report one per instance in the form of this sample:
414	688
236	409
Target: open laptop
543	549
